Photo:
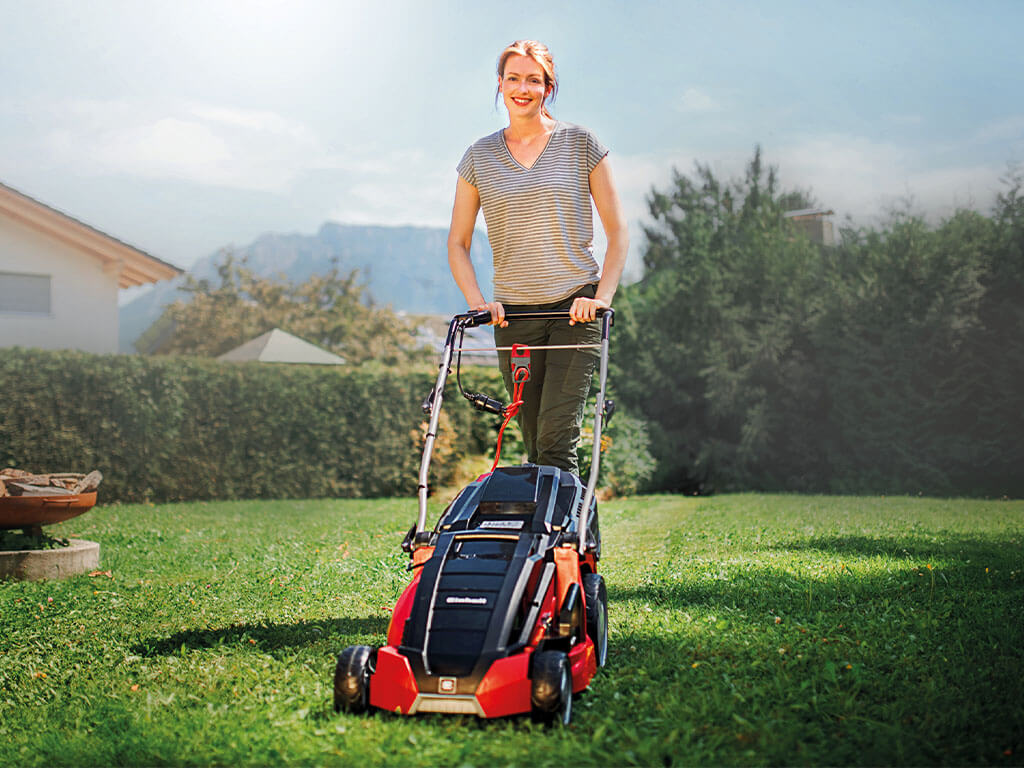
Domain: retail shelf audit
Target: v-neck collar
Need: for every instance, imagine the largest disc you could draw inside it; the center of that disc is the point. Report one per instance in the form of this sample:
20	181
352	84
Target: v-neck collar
558	125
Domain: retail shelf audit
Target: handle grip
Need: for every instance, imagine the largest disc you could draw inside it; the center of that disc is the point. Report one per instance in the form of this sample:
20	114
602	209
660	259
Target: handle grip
476	317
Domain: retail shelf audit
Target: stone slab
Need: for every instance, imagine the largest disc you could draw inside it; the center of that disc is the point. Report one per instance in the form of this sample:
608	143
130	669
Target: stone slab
80	556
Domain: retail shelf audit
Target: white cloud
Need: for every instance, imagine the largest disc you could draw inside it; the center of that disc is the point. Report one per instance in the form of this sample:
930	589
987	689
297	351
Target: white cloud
697	101
255	120
398	188
862	178
200	143
903	119
853	175
1009	129
166	148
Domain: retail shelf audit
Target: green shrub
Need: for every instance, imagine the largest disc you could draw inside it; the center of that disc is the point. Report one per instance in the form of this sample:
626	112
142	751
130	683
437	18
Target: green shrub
176	428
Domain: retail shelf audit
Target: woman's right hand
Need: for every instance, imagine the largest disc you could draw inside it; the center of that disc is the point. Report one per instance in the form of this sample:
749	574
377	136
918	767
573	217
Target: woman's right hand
497	312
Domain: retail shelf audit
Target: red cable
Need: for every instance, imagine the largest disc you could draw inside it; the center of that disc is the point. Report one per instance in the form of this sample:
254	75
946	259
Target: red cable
511	410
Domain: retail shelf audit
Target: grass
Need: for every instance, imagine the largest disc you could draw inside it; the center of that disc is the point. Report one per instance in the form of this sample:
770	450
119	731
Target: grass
745	629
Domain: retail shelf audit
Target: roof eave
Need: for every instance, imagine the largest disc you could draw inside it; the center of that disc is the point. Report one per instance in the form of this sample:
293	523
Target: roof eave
132	266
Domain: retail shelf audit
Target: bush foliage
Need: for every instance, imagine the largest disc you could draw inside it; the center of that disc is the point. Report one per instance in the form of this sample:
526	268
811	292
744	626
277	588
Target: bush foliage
175	428
891	362
186	428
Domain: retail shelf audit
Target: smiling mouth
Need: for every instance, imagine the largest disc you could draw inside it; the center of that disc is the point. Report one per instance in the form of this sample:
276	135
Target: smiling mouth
521	102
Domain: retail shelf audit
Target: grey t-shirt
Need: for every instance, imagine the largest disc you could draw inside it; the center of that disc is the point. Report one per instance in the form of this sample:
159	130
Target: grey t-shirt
539	220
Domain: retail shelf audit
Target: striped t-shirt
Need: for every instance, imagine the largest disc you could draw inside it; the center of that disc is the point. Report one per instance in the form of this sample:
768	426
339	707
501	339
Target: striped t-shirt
538	219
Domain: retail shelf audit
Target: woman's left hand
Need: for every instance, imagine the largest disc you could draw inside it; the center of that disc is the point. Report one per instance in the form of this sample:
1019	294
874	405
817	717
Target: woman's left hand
583	310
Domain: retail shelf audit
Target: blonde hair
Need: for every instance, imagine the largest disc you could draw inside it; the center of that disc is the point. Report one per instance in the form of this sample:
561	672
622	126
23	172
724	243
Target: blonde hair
539	53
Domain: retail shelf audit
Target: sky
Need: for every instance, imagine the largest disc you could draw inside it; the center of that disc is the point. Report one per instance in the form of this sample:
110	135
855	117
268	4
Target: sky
183	126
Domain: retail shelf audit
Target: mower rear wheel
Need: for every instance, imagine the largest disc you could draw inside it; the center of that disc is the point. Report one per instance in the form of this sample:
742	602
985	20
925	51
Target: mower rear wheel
551	689
352	679
596	597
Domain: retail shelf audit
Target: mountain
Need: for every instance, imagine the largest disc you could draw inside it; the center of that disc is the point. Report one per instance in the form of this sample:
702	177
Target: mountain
406	267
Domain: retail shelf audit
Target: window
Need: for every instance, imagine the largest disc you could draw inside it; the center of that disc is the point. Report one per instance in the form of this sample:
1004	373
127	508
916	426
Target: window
24	293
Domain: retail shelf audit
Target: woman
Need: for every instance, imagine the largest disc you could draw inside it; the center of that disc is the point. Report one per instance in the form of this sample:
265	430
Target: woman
535	180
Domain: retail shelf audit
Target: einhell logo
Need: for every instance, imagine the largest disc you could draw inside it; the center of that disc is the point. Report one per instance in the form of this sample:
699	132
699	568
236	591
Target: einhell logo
509	525
465	600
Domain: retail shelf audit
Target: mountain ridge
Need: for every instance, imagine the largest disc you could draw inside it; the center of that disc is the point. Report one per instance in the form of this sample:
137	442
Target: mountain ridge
405	267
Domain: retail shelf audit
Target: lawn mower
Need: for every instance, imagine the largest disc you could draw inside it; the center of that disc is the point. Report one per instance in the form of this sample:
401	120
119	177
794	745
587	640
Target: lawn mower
506	613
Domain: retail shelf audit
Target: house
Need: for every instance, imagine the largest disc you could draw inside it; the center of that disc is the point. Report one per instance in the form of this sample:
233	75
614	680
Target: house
814	223
277	346
59	277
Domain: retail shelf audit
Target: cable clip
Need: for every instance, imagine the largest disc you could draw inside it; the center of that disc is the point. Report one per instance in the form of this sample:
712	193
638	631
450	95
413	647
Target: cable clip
520	359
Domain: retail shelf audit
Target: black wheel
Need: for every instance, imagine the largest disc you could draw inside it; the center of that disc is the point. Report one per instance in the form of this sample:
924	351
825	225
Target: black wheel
551	690
596	597
352	679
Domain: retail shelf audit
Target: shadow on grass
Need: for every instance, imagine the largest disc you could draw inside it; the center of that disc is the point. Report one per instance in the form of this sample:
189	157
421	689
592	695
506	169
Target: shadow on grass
998	550
267	637
974	579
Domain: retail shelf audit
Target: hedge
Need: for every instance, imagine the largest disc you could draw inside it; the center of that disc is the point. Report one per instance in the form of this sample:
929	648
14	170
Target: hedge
177	428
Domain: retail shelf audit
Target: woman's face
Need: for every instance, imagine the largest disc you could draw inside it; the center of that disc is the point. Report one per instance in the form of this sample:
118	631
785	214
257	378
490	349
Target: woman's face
522	86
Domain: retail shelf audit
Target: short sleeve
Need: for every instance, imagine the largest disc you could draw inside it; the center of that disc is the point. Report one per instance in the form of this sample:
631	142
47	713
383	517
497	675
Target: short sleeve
467	168
595	151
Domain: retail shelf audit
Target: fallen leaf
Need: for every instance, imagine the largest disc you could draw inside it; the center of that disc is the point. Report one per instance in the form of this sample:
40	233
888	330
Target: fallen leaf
108	574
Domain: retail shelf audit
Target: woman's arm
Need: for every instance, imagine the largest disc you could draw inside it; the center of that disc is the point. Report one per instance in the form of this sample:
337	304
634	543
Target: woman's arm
460	238
609	209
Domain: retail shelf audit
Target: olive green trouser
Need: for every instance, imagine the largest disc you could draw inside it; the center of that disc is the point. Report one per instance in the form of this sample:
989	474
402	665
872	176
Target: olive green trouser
554	397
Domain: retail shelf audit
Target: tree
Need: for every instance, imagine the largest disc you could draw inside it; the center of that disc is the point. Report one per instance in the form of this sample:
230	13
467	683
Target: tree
712	333
890	363
331	310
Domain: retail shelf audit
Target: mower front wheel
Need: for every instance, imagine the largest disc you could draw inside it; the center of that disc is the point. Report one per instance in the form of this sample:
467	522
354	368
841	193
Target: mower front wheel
551	689
352	679
595	595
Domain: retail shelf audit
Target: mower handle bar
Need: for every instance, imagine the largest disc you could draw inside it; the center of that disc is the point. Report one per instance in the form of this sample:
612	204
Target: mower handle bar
475	317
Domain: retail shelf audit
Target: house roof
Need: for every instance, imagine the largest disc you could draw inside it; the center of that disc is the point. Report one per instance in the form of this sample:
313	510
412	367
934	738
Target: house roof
277	346
132	266
808	213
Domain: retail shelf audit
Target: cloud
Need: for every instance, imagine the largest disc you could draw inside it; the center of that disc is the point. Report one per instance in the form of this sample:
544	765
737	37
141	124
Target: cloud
199	143
1007	129
853	175
398	188
863	178
697	101
903	119
254	120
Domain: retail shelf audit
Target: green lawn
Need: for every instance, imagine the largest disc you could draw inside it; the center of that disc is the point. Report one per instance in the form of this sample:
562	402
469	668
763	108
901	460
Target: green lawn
745	629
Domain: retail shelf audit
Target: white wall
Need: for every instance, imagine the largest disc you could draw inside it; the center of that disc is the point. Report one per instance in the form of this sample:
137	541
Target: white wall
83	298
